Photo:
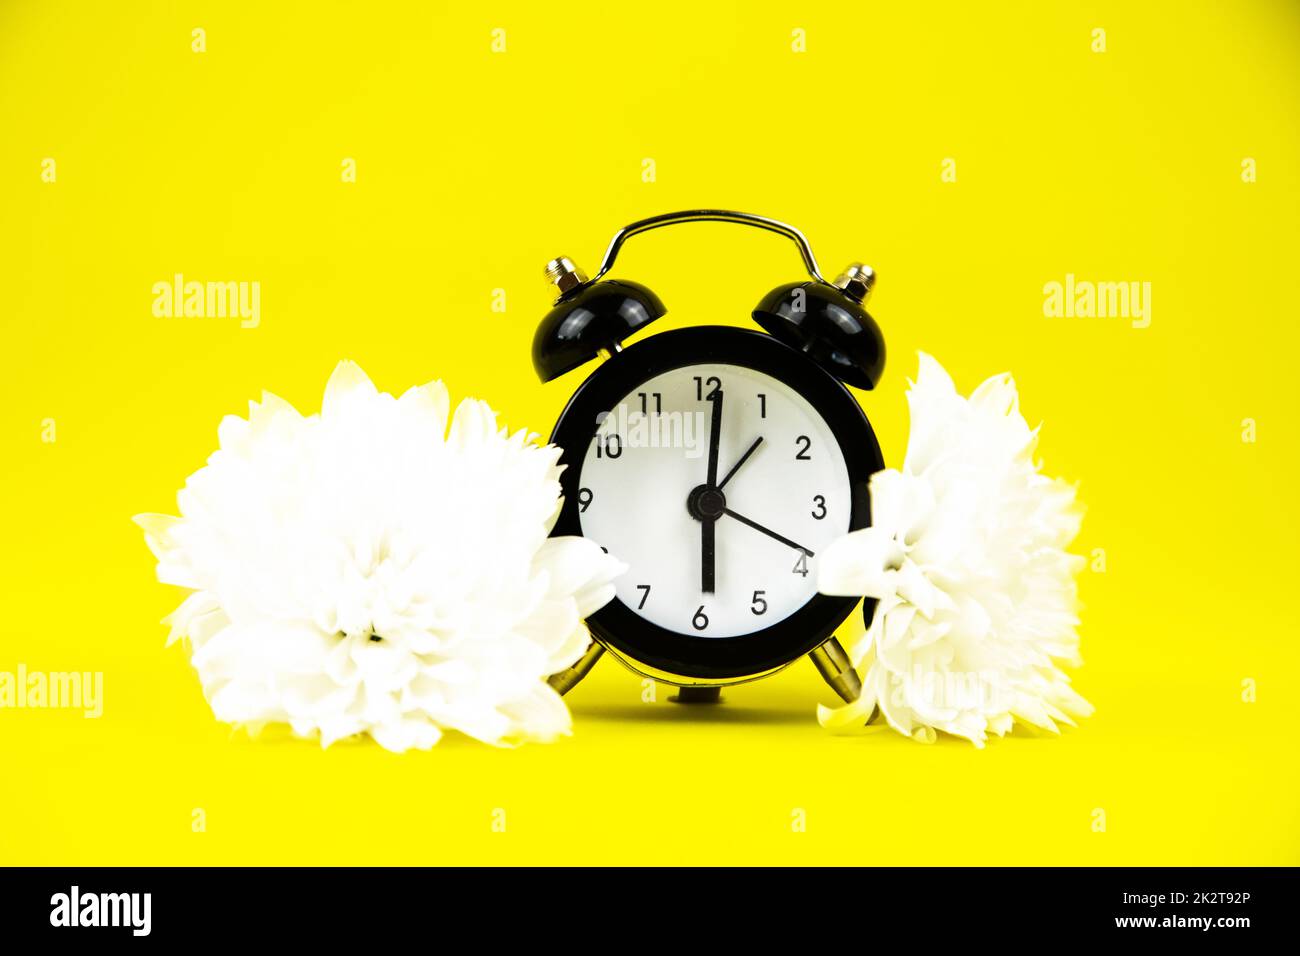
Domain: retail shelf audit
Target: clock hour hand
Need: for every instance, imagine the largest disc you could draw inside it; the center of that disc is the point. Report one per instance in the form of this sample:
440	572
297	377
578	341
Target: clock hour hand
743	458
767	531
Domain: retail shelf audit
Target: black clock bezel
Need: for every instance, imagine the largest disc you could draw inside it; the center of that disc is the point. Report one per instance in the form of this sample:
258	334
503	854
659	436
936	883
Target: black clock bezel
717	658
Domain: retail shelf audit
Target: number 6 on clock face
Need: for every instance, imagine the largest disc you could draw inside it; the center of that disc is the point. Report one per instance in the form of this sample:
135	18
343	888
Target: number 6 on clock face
718	464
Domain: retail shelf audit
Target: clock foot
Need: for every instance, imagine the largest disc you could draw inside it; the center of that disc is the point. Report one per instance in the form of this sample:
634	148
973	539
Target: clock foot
564	681
834	665
698	694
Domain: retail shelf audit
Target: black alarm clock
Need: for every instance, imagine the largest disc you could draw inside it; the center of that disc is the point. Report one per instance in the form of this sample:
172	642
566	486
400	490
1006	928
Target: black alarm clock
717	463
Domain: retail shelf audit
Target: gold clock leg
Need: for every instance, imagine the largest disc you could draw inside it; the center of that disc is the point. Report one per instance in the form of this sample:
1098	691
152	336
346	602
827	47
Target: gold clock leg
564	681
833	663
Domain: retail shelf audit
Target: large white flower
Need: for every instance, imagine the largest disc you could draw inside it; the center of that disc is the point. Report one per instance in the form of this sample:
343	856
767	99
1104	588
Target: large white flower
369	570
967	556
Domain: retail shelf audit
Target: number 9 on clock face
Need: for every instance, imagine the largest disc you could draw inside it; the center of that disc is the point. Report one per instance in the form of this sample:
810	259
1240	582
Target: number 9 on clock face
718	473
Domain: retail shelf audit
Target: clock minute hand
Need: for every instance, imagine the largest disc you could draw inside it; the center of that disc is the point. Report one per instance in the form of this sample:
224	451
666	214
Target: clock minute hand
767	531
707	551
708	547
715	435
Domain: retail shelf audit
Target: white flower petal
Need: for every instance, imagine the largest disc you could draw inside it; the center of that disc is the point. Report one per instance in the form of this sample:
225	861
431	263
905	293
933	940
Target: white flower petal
347	384
862	563
579	567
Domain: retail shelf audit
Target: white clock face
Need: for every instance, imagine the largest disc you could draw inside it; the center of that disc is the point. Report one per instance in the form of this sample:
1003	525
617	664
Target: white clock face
645	495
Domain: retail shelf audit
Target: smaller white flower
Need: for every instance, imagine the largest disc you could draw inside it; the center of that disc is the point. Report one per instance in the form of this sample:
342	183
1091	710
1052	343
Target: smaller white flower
382	568
967	558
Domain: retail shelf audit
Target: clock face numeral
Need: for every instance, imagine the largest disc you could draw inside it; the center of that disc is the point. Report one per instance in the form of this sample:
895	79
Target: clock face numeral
609	446
741	558
712	383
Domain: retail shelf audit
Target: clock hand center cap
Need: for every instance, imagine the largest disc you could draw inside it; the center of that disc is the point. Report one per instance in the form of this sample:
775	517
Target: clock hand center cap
706	503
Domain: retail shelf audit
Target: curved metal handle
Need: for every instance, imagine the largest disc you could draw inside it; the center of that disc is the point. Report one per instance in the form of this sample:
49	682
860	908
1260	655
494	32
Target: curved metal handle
710	215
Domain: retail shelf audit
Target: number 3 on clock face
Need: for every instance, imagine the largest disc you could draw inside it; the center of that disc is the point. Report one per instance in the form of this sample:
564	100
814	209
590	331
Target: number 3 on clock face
718	464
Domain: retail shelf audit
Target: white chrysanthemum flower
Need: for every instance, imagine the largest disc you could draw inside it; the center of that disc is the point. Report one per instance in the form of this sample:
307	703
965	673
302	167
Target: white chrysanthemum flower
967	558
370	570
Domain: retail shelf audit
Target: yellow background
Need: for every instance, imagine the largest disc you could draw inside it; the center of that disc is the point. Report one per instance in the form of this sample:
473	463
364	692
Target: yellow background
474	167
